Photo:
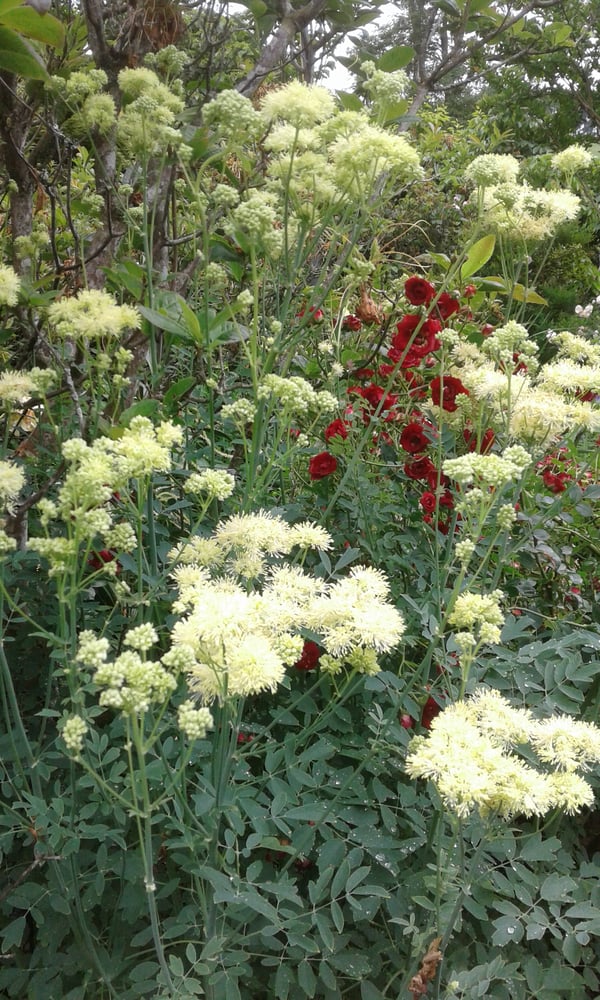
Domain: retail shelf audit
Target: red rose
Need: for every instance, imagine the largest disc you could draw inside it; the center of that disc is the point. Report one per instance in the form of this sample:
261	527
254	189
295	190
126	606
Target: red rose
420	341
428	502
351	322
413	439
445	390
420	468
555	481
418	291
311	654
470	291
485	444
322	465
337	428
446	305
98	559
430	710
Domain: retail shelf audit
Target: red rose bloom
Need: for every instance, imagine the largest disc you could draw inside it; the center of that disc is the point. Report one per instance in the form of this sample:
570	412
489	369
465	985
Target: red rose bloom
446	305
487	440
445	390
413	439
337	428
420	468
555	481
419	342
322	465
311	654
428	502
351	322
418	291
430	710
98	559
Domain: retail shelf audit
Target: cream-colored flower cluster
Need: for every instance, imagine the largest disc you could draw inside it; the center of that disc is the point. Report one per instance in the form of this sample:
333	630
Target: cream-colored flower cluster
297	396
238	642
215	484
384	88
299	104
233	117
525	213
10	284
479	617
258	218
73	731
130	683
492	168
146	124
243	544
506	342
92	315
536	409
488	470
95	473
572	159
472	755
12	481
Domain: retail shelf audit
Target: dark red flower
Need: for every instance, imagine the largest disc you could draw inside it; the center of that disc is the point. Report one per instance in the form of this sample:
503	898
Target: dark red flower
470	291
364	373
407	721
446	305
375	395
487	329
337	428
420	342
316	315
413	439
351	322
98	559
428	502
446	499
418	291
445	390
430	710
555	481
311	654
322	465
420	468
485	444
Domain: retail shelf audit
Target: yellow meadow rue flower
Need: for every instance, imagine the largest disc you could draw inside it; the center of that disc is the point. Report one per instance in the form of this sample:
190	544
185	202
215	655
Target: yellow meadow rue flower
567	743
300	104
12	481
307	535
472	610
508	340
384	88
569	378
193	722
577	349
7	544
241	412
526	213
233	117
10	284
360	160
492	168
354	613
205	552
142	638
132	684
145	126
467	754
572	159
217	484
16	387
257	217
73	732
286	137
92	315
488	470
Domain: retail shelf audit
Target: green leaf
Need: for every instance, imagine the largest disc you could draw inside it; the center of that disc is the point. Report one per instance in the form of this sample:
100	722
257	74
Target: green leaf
396	58
306	978
163	322
522	294
12	934
178	389
143	408
478	255
6	5
18	57
43	28
557	887
349	102
507	929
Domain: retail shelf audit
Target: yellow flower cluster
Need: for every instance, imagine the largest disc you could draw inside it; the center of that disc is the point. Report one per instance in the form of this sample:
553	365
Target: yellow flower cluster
472	755
130	683
238	642
92	315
